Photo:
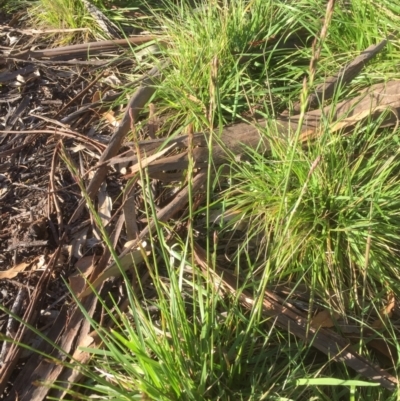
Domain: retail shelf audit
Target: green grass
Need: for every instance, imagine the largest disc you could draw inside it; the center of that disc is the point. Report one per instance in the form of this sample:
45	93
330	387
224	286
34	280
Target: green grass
232	38
65	15
325	218
337	225
257	67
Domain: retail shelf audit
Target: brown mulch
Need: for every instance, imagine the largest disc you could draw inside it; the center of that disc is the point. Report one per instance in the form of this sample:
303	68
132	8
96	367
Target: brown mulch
49	101
56	107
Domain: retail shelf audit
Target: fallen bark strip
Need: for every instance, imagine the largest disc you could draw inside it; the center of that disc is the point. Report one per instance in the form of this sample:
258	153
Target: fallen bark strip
28	374
68	377
131	115
61	132
234	140
11	29
326	90
27	244
12	325
82	49
48	371
288	317
12	75
30	317
102	21
73	329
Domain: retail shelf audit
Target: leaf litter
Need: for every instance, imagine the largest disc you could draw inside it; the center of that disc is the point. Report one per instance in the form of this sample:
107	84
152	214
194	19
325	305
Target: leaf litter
57	103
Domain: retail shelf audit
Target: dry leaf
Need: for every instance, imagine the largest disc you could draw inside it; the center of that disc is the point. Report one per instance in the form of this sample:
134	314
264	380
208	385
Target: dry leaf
78	147
126	262
78	242
96	97
145	161
112	80
129	210
324	319
385	312
11	273
363	115
388	309
105	204
85	265
109	116
88	341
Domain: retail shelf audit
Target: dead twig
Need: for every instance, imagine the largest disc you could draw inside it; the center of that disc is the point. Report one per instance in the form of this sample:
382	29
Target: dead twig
81	50
52	192
135	106
81	93
180	201
288	317
57	131
26	244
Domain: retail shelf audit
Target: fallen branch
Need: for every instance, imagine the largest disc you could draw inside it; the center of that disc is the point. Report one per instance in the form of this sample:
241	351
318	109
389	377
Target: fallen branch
288	317
234	140
82	50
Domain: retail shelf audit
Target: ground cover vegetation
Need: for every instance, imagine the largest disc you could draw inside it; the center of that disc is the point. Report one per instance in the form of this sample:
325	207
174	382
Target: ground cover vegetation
179	257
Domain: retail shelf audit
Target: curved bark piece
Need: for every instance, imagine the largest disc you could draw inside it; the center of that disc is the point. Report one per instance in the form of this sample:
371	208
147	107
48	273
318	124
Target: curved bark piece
233	140
346	74
135	106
